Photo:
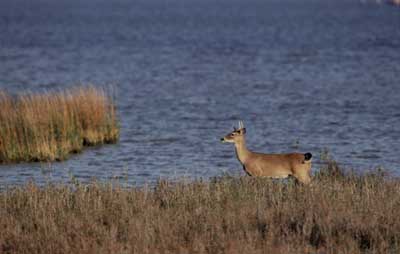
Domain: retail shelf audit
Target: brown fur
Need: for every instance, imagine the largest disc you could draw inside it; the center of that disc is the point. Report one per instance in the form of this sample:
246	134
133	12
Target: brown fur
269	165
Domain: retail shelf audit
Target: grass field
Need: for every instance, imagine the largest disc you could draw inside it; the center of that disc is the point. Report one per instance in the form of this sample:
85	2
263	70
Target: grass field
338	213
49	126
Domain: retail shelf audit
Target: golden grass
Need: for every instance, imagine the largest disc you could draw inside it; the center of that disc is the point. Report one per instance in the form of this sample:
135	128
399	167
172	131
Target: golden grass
338	213
49	126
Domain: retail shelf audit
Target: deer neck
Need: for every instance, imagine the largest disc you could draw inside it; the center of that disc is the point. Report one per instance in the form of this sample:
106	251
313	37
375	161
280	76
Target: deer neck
241	151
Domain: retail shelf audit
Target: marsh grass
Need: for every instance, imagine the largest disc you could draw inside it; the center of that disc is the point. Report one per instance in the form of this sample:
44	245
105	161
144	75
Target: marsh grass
346	213
49	126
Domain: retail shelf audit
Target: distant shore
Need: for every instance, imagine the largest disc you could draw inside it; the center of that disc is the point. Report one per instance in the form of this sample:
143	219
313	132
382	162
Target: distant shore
339	213
394	2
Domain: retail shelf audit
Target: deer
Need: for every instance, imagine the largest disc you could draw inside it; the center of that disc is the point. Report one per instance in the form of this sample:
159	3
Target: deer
297	165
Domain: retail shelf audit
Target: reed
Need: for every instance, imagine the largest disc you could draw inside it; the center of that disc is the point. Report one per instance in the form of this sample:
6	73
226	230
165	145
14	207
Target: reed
49	126
338	213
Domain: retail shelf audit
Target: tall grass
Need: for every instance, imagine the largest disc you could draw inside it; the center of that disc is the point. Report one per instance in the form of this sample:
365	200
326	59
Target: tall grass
338	213
49	126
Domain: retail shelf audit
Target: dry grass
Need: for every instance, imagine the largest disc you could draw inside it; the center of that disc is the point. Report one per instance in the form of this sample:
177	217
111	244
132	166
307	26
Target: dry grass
47	127
339	213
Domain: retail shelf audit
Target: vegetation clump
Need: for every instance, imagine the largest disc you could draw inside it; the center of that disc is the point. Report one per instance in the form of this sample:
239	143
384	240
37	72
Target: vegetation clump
49	126
337	213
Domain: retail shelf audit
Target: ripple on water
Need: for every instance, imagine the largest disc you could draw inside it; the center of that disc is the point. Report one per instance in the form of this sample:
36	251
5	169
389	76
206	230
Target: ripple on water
367	156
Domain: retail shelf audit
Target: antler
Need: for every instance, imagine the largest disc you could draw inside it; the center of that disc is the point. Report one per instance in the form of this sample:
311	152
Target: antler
241	125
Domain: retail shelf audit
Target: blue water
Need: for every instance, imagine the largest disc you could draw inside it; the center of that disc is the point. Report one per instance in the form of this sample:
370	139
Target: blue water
304	76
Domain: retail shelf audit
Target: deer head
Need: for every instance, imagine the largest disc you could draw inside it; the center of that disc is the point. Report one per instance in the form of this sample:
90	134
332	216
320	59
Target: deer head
236	135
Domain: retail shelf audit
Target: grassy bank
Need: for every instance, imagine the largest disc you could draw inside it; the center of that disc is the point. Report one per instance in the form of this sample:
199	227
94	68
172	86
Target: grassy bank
337	214
49	126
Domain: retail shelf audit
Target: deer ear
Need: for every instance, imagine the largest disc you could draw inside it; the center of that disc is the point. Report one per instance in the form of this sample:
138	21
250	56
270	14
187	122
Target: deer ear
243	131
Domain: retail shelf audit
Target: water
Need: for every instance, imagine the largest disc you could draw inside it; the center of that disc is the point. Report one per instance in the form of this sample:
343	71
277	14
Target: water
304	76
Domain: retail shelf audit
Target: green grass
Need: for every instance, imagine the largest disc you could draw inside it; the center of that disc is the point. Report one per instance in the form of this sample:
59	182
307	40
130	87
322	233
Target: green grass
49	126
338	213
